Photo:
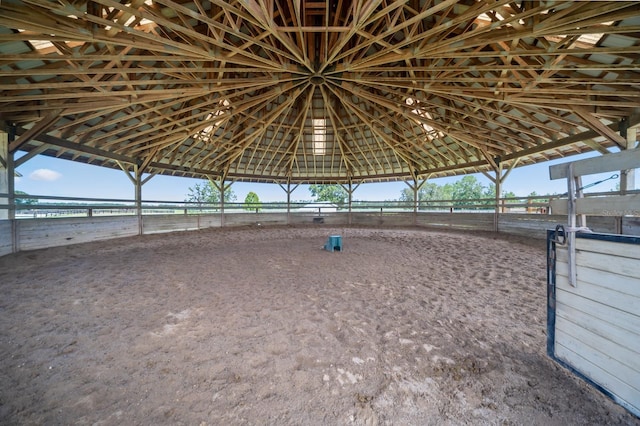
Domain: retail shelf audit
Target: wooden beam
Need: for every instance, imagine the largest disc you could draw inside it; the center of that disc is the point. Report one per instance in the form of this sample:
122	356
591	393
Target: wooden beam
594	123
39	127
629	159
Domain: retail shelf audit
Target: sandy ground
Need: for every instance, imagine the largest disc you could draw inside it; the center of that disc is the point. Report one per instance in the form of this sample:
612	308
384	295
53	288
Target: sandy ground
261	326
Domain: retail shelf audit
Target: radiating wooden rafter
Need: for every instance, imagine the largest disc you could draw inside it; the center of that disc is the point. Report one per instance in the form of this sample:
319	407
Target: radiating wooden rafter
230	88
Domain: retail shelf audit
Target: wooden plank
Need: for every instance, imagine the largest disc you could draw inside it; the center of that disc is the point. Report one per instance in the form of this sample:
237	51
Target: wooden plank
600	312
609	247
42	233
598	322
610	280
615	264
598	262
596	293
621	344
6	245
631	225
623	380
154	224
614	205
623	160
623	394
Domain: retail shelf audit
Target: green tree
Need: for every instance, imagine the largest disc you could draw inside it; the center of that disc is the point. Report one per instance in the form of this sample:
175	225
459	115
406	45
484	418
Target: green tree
430	191
467	188
252	202
205	192
332	193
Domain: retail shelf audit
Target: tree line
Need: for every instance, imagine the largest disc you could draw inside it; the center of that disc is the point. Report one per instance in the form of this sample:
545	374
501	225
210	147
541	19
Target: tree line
461	191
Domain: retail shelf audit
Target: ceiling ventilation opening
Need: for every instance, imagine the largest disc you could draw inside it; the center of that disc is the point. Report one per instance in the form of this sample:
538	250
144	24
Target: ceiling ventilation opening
319	136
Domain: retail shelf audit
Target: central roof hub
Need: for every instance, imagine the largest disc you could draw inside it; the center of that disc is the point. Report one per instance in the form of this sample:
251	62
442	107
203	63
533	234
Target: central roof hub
317	79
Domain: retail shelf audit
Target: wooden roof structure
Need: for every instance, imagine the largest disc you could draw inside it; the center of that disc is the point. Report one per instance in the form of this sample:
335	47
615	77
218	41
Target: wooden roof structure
317	90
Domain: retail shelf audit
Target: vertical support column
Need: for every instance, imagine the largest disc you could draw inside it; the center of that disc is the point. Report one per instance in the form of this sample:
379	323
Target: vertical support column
628	177
6	181
288	190
571	238
350	190
498	184
498	180
137	182
415	187
415	202
221	188
138	198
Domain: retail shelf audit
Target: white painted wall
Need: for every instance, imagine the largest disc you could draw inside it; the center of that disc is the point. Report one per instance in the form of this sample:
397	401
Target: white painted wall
597	328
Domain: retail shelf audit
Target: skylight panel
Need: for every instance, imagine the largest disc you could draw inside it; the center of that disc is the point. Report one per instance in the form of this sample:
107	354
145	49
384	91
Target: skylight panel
319	136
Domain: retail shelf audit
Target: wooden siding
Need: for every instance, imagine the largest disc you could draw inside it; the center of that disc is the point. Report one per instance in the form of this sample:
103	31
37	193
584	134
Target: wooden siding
249	219
597	329
6	245
631	225
468	221
154	224
42	233
537	225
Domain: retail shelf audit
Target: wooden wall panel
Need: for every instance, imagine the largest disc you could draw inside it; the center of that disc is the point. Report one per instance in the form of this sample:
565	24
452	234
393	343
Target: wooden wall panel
469	221
597	325
6	244
42	233
154	224
631	225
536	225
249	219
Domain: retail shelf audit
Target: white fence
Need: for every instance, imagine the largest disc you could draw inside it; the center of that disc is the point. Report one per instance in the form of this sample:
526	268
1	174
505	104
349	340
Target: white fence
21	234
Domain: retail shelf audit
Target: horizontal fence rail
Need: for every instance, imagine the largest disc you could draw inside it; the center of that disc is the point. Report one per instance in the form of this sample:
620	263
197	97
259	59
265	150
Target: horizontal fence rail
49	221
37	206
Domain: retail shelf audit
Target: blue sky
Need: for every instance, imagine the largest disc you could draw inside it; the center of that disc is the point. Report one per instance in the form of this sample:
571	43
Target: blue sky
50	176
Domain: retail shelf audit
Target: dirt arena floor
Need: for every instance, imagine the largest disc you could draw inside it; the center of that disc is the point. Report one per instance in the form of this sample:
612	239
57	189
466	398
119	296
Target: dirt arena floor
262	326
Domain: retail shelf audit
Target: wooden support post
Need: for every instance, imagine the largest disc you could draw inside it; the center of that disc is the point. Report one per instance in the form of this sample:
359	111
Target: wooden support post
627	177
498	180
137	182
221	202
137	171
6	164
498	185
415	187
350	190
222	188
571	238
288	191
